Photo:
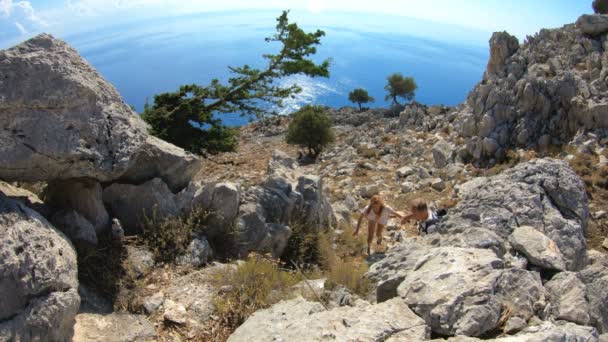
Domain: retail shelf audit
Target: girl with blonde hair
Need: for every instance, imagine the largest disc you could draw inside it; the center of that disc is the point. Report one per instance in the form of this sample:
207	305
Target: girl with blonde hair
377	214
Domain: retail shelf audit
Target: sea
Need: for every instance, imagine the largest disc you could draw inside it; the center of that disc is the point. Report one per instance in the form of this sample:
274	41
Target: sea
146	57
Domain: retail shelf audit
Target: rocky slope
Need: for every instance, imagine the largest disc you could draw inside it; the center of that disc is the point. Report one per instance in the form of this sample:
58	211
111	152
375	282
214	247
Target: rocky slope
546	92
510	262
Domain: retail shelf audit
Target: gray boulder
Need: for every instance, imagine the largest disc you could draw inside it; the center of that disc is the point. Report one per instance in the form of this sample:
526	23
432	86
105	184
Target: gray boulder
595	277
537	247
545	331
452	290
566	294
81	195
593	24
75	227
301	320
39	277
134	204
115	327
543	193
62	120
443	153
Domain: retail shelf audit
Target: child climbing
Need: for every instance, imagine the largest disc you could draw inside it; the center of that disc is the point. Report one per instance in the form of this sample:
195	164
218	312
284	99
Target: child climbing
377	214
427	218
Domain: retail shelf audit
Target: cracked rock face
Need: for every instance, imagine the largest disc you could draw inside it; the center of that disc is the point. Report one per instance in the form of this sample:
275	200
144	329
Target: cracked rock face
38	277
62	120
542	93
544	194
301	320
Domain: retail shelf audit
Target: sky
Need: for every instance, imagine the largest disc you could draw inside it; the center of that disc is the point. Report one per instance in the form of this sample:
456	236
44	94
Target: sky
21	19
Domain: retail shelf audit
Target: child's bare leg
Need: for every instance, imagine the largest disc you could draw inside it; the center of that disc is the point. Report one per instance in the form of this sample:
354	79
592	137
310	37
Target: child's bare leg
371	228
379	231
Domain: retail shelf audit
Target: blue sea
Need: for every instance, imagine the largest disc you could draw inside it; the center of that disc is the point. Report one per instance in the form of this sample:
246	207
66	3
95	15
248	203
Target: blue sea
143	58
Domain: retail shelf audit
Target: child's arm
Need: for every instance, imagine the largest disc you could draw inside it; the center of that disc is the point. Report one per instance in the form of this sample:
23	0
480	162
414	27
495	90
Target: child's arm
406	218
358	225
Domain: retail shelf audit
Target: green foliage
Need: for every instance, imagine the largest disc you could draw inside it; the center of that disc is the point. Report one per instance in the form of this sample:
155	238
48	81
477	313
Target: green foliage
302	246
310	127
600	6
360	96
400	86
255	284
172	116
169	237
188	117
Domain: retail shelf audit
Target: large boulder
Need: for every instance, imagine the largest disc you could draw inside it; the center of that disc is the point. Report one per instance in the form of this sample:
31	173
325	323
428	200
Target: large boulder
451	288
62	120
544	193
38	273
133	205
593	24
301	320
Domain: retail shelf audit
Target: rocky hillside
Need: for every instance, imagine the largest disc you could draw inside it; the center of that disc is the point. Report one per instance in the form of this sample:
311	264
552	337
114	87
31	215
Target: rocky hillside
97	216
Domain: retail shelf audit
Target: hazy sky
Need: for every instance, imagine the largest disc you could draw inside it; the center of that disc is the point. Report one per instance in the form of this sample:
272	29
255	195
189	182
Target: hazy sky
20	19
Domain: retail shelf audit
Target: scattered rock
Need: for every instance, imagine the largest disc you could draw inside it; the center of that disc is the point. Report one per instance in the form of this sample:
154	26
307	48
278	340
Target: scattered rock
175	312
443	153
153	302
197	254
139	260
115	327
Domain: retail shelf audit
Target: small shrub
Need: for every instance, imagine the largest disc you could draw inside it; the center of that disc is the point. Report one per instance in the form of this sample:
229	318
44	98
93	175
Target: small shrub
255	284
303	246
169	237
366	152
102	267
351	275
310	127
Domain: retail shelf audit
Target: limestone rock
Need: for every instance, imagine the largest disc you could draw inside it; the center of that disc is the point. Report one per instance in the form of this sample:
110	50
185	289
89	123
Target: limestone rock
76	227
39	277
300	320
542	193
537	247
502	46
595	277
593	24
113	327
197	254
62	120
443	153
451	289
139	260
82	196
133	204
567	297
